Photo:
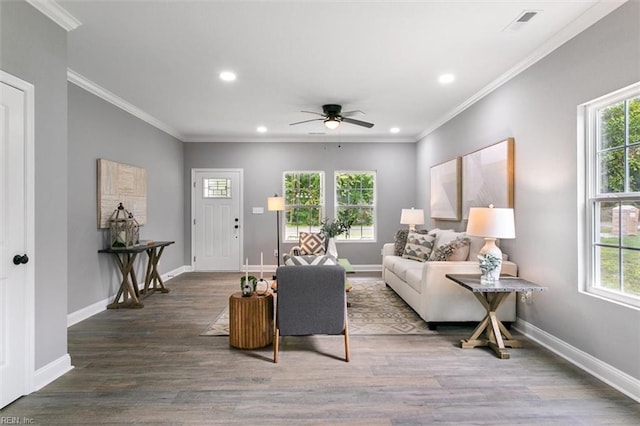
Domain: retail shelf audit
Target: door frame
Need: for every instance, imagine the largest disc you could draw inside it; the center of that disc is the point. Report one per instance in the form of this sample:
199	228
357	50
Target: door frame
193	208
29	187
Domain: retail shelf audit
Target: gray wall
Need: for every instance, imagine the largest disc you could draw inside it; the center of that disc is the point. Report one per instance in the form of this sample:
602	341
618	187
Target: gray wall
263	165
34	49
98	129
538	108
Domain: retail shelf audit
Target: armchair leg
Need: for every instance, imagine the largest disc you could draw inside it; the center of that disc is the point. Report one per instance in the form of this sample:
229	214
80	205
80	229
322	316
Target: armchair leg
276	343
346	342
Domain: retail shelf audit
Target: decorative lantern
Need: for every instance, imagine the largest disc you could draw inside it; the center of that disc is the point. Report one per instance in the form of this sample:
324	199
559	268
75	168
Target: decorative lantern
121	228
135	230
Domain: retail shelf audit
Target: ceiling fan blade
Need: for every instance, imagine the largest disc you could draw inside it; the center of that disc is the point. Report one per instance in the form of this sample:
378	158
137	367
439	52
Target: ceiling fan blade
357	122
351	113
313	112
306	121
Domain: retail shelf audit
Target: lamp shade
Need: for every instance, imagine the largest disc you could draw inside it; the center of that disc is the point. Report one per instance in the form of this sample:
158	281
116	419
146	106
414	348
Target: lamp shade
412	217
491	222
275	203
332	123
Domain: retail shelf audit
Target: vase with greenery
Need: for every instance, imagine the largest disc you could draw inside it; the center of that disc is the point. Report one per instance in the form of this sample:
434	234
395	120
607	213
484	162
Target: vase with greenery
490	267
331	229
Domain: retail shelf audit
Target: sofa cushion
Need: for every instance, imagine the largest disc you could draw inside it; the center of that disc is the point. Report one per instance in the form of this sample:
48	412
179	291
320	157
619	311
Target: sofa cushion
413	277
456	250
309	260
403	265
418	247
400	240
311	243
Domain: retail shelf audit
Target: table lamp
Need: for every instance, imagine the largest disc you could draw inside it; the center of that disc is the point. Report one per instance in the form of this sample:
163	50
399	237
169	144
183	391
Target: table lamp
491	223
412	217
276	204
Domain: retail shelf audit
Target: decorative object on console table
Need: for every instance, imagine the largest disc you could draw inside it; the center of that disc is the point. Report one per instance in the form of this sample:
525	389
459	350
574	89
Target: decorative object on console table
276	204
123	229
412	217
445	190
331	229
491	223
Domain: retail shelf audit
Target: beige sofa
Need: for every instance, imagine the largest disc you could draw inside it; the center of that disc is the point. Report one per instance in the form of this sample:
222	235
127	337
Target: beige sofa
434	297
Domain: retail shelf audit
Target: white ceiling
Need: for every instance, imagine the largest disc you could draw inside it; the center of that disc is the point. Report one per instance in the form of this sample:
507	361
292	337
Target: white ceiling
382	57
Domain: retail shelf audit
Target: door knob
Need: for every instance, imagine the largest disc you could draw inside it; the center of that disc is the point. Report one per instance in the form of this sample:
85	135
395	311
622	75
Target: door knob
17	259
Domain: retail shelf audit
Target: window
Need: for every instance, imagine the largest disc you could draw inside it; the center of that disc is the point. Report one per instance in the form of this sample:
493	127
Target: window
304	203
356	202
216	188
613	195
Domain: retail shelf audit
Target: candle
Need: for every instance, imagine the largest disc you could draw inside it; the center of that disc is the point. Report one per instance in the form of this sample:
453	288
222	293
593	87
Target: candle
261	274
246	271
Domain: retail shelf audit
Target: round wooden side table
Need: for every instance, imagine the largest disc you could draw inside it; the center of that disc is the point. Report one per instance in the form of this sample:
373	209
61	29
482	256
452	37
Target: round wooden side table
250	320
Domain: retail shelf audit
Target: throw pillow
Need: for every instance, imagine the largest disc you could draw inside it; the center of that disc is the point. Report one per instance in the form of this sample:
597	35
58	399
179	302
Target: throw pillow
444	237
309	260
311	243
419	246
401	240
457	249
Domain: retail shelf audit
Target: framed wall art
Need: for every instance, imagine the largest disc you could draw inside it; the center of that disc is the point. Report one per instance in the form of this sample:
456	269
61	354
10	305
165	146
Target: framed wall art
445	190
487	177
121	183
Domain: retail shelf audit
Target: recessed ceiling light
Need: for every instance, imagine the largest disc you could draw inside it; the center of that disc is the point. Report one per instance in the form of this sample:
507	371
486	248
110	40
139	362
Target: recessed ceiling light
261	129
394	130
446	78
227	76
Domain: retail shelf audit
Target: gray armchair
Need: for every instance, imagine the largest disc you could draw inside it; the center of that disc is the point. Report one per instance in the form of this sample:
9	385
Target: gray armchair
311	300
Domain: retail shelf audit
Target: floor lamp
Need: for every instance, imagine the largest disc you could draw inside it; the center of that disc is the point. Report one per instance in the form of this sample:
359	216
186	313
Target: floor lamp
276	204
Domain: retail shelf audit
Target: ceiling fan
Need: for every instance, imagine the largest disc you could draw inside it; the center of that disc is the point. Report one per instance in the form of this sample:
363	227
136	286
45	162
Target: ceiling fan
332	117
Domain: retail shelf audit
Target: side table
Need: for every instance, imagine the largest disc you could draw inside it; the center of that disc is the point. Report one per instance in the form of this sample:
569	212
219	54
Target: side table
491	297
250	320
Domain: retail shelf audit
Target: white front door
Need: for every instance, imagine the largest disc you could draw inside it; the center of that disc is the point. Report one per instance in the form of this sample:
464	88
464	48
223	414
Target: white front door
217	222
16	269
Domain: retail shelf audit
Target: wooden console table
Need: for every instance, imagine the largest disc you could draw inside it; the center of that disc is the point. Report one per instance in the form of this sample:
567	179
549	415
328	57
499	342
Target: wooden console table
250	320
125	258
491	297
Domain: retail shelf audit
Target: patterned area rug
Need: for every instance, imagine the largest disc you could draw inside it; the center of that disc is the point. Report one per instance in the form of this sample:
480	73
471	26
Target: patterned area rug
375	310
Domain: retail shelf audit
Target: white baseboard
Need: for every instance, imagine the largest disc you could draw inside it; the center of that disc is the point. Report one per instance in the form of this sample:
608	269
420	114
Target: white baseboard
91	310
50	372
615	378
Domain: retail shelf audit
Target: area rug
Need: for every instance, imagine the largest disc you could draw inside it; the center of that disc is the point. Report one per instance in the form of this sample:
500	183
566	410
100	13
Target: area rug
374	309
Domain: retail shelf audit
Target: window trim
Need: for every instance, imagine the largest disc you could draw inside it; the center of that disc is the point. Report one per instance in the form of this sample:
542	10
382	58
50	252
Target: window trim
588	131
375	204
322	206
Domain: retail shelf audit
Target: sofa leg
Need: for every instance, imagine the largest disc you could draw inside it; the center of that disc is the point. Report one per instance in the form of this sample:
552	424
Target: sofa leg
432	326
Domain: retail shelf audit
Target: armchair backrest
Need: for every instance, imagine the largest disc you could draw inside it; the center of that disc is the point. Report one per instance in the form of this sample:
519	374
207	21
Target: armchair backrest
311	300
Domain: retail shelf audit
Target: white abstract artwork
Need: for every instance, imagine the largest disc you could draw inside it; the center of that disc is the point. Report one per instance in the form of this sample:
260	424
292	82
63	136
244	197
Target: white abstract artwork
487	177
445	190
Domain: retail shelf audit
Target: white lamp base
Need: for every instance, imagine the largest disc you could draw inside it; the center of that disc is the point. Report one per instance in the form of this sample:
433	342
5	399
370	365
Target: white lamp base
490	247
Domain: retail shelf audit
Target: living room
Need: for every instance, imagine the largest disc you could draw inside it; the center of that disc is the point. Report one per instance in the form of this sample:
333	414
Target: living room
537	107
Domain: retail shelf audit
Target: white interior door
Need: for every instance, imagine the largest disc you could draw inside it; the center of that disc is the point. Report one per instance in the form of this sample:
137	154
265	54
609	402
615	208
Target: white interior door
217	223
16	270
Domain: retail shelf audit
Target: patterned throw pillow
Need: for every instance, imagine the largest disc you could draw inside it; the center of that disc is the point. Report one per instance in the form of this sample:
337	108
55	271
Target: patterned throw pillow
401	240
311	243
419	246
309	260
457	249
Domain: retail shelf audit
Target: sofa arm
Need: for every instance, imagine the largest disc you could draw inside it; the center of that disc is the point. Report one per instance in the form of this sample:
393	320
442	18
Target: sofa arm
388	249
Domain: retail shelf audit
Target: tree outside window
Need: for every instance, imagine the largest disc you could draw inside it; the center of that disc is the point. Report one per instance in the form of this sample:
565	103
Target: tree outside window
304	203
356	204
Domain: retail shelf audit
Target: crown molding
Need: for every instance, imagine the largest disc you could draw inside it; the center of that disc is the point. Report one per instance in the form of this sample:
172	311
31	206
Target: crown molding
584	21
93	88
58	14
298	138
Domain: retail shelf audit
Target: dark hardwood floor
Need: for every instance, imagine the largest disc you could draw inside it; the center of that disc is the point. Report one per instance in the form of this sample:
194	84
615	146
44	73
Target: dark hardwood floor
150	366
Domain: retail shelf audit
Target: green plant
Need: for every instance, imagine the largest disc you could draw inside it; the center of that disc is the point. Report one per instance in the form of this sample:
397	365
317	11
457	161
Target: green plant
333	228
253	280
488	262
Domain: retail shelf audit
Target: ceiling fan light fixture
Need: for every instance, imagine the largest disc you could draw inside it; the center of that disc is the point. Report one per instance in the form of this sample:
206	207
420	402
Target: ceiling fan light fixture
332	123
